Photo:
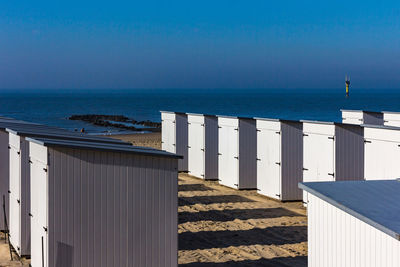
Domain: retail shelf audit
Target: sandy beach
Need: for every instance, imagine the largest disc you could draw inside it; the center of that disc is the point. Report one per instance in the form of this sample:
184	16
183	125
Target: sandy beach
219	226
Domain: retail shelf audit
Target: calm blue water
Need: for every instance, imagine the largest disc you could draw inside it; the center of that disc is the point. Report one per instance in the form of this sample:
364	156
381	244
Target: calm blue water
52	107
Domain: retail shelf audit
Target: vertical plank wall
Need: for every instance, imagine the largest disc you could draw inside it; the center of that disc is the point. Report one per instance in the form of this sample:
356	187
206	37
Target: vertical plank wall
4	177
292	160
112	209
349	152
247	154
211	147
336	238
25	198
181	125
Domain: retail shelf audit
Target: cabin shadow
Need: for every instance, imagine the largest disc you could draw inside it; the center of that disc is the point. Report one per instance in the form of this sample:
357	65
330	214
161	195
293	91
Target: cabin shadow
276	235
182	201
194	187
230	215
298	261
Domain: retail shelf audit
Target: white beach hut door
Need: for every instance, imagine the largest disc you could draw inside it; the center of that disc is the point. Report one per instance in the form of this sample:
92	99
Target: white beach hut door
268	163
196	149
168	135
319	156
381	160
15	198
228	160
39	234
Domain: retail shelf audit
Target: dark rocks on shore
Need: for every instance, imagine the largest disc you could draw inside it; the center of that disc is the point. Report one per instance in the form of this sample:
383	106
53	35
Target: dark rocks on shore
112	121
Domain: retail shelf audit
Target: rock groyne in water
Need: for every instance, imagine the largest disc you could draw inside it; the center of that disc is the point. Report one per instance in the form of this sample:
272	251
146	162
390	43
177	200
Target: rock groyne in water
118	121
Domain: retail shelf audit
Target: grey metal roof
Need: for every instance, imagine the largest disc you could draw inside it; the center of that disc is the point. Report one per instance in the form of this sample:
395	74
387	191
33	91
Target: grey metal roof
63	134
319	122
377	202
101	146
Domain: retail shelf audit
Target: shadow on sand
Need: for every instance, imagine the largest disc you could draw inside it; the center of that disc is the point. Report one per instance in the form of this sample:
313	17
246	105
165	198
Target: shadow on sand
194	187
299	261
230	215
205	200
276	235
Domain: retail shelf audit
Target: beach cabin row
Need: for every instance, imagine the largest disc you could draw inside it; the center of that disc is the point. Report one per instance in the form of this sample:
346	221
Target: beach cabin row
353	223
78	200
386	118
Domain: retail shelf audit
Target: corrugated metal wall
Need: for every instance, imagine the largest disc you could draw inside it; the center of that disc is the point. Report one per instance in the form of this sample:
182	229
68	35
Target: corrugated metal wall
4	177
292	160
349	152
247	154
336	238
111	209
182	140
211	147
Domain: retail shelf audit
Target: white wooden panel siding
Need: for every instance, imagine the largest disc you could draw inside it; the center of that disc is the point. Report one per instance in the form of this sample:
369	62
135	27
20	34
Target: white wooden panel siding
319	153
15	193
352	116
168	132
4	179
269	158
104	208
196	153
338	237
228	151
174	136
280	158
391	118
382	151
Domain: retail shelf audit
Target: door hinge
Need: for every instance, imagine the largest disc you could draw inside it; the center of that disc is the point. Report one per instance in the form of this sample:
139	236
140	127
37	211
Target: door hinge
236	157
9	191
202	149
219	127
174	144
188	123
19	152
202	124
235	184
305	169
277	195
45	229
367	141
30	214
278	132
331	137
305	134
19	201
277	163
202	175
162	142
30	161
45	169
331	174
236	129
219	154
258	130
259	159
188	146
385	121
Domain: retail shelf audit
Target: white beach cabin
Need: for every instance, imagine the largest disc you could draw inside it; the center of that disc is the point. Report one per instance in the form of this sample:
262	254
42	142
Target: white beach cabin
95	204
5	163
237	152
19	178
203	146
382	152
174	136
362	117
391	118
279	158
332	152
353	223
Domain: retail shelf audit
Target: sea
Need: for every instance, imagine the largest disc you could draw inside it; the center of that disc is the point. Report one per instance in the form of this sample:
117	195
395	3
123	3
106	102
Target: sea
54	106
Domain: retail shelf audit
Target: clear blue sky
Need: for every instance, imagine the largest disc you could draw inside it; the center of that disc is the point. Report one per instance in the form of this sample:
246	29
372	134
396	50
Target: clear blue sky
199	44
